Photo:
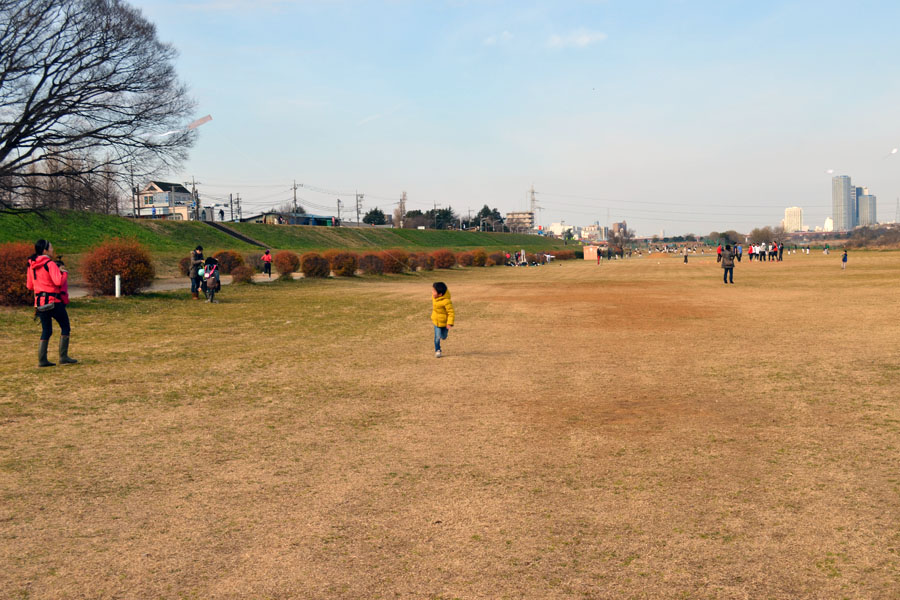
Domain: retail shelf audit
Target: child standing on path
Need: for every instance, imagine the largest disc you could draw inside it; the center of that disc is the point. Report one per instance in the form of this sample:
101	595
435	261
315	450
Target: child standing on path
844	261
441	314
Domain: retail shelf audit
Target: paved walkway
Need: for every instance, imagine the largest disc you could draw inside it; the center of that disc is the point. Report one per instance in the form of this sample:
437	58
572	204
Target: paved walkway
165	284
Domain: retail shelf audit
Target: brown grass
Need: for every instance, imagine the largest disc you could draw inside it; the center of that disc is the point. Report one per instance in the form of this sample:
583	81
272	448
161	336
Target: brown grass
633	430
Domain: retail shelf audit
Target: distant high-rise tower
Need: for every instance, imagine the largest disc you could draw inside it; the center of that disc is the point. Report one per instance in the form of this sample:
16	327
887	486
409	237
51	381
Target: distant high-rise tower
867	214
793	219
843	203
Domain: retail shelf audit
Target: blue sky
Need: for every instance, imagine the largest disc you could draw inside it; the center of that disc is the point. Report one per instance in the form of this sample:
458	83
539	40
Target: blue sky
674	115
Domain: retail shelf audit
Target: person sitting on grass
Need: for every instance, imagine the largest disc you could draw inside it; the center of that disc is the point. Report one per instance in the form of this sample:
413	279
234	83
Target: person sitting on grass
441	314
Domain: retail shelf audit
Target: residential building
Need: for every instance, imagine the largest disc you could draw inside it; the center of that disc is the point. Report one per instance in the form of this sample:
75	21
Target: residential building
793	219
520	221
866	206
843	203
829	224
162	200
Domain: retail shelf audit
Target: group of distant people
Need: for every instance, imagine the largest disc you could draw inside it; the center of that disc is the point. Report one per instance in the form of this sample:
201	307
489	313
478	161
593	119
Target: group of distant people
773	251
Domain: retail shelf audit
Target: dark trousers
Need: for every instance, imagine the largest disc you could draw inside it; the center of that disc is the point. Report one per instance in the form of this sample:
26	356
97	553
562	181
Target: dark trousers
728	275
267	268
195	284
62	317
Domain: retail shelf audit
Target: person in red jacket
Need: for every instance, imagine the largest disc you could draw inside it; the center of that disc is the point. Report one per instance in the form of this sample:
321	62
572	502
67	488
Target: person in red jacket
49	281
267	264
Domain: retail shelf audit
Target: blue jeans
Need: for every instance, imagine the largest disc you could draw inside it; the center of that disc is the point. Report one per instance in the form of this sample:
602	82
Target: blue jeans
440	333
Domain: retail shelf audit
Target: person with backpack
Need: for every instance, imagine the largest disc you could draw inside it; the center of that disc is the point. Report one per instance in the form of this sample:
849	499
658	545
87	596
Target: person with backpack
728	264
267	264
196	265
211	283
49	280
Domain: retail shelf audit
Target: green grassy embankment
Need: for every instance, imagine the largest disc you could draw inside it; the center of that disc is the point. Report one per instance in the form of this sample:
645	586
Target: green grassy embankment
304	238
74	232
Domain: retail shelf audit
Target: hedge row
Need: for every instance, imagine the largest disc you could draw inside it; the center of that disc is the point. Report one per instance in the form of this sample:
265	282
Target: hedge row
134	263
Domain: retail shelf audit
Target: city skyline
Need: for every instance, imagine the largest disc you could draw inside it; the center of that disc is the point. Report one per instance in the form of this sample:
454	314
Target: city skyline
660	114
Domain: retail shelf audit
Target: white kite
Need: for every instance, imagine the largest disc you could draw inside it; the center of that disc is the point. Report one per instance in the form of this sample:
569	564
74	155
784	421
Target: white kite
190	126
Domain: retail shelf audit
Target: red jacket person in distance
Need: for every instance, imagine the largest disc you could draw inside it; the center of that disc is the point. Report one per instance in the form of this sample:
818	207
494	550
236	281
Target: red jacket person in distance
49	280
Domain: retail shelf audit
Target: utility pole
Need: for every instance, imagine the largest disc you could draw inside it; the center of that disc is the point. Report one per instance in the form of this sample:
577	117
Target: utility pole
434	212
402	208
240	213
534	207
339	209
295	196
359	198
231	204
196	198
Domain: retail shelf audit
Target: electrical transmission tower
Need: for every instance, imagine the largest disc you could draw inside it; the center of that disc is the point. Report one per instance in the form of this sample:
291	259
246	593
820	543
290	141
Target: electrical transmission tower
534	206
402	208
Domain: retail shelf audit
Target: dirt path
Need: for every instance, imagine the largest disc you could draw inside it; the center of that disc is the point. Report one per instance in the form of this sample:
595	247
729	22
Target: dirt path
166	284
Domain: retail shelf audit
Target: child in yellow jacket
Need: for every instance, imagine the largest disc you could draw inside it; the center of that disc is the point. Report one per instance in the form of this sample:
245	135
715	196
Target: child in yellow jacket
441	314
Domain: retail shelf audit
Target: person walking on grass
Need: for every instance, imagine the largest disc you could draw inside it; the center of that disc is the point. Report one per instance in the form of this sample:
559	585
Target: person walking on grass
196	265
267	264
441	314
728	264
49	280
844	261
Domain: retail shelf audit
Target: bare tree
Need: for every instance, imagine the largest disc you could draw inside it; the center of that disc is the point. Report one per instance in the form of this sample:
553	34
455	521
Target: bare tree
86	89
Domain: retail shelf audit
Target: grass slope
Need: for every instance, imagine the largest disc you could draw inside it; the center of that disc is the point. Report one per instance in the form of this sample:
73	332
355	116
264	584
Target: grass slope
77	231
323	238
73	232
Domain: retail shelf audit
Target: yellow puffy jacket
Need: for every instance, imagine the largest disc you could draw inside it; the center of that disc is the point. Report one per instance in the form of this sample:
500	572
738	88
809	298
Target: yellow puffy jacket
442	310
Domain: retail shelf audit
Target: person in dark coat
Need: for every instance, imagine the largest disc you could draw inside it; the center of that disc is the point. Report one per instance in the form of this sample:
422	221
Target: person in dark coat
728	264
196	264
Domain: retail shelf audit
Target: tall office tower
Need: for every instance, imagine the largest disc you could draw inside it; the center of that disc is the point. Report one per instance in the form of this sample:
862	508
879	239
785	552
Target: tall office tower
867	215
843	203
793	219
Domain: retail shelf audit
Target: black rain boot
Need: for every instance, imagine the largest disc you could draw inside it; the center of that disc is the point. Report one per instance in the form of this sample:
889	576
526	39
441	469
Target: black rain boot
64	351
42	355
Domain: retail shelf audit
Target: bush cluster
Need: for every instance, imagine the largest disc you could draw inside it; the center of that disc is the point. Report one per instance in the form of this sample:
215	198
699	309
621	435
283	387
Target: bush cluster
314	264
565	255
395	260
13	267
184	266
464	259
421	260
127	258
344	264
479	258
494	259
255	261
242	274
286	262
228	260
443	259
371	263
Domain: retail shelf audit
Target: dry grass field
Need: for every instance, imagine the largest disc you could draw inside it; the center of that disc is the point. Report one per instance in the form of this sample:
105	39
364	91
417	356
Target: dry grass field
634	430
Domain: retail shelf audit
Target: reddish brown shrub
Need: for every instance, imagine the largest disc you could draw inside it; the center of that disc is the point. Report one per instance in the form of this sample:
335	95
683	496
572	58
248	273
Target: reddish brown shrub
371	264
495	258
395	260
535	258
117	257
184	266
13	268
314	265
286	262
344	264
479	258
421	260
255	261
564	255
242	274
228	260
443	259
464	259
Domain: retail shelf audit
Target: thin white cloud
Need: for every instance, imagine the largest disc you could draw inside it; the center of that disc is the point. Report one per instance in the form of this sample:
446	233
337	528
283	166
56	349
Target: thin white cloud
580	38
377	116
500	38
